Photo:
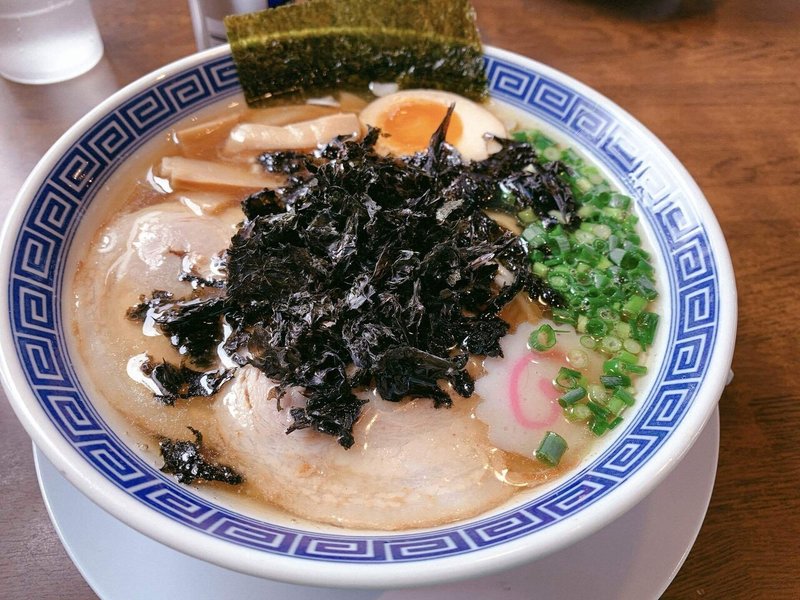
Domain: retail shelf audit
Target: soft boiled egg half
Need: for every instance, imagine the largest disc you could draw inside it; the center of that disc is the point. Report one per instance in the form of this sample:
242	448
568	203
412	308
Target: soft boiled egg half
407	119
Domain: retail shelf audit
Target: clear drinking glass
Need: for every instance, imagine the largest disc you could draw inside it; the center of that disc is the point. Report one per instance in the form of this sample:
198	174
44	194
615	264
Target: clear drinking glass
45	41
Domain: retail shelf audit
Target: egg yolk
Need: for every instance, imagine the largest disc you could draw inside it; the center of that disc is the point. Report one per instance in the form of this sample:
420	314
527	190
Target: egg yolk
412	123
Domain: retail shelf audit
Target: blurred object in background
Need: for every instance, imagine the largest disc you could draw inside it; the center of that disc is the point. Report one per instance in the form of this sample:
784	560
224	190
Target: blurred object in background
207	16
652	10
46	41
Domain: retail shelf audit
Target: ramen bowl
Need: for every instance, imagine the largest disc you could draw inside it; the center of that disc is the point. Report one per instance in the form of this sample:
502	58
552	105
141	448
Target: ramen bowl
689	362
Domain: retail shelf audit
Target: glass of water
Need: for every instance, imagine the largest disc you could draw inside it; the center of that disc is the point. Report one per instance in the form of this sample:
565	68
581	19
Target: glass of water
45	41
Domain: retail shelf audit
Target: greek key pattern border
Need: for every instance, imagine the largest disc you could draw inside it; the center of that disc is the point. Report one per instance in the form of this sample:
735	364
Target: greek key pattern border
42	245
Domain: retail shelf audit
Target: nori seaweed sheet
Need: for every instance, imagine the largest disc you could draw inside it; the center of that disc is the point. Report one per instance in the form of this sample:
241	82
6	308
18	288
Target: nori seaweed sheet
367	271
323	44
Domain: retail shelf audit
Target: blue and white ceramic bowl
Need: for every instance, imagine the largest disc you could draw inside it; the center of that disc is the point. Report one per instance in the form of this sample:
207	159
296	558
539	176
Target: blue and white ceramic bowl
690	367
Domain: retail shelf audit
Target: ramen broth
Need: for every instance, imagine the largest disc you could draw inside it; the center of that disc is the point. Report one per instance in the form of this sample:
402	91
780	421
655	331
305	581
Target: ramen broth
412	465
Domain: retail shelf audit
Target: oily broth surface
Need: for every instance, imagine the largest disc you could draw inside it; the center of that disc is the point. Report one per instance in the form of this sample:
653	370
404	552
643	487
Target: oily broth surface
105	339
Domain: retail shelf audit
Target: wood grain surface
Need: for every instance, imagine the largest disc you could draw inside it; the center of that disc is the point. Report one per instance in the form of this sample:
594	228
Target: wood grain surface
717	83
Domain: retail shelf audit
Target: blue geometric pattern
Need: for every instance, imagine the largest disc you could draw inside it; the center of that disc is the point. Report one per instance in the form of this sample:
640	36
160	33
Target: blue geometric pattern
44	240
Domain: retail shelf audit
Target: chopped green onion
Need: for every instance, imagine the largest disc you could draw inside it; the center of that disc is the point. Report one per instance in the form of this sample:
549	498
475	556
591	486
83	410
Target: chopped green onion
596	327
614	381
593	175
611	344
598	409
614	423
622	330
646	287
598	426
603	263
645	328
584	237
616	255
612	366
536	255
598	393
572	396
602	231
543	338
625	396
578	412
560	242
534	235
522	136
541	141
632	346
558	282
566	379
619	201
616	405
561	315
584	184
551	449
551	153
540	269
629	261
623	364
608	314
526	216
607	283
569	156
601	280
634	368
578	358
634	306
627	357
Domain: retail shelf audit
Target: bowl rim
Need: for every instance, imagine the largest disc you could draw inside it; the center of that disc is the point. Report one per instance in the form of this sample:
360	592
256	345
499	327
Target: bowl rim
439	570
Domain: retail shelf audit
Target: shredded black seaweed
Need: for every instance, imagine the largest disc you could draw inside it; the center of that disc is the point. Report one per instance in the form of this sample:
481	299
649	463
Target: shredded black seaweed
182	382
184	459
368	271
193	325
540	186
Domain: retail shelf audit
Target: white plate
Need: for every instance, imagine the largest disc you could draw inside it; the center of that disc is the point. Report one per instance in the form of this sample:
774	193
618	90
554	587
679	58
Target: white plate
635	557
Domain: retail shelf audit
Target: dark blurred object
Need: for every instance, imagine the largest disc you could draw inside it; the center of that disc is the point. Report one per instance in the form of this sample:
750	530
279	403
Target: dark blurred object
207	15
652	10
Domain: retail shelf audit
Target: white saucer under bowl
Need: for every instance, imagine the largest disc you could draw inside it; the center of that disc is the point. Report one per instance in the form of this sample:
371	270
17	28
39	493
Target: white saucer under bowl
635	557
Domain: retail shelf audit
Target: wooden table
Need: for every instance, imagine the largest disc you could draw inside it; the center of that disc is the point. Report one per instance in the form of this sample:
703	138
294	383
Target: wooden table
720	88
